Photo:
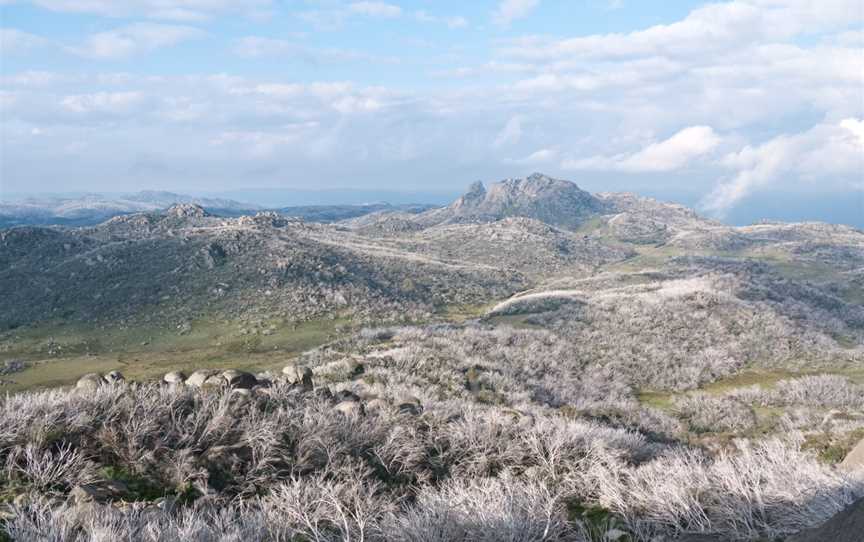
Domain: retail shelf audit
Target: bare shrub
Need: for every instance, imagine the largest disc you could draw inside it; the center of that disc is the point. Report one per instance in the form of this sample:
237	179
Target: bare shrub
819	391
705	413
766	489
484	510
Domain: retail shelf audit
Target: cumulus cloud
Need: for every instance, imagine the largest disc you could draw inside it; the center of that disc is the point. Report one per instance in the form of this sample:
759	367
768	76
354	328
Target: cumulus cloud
375	9
653	100
257	47
511	133
707	29
537	158
667	155
511	10
175	10
103	102
828	153
134	39
14	41
454	21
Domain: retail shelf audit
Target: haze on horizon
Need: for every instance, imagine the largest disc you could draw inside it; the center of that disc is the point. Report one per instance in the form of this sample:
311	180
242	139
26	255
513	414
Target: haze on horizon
726	106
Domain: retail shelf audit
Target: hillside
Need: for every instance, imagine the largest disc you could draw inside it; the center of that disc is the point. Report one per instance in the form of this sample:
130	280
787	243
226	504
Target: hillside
530	362
553	201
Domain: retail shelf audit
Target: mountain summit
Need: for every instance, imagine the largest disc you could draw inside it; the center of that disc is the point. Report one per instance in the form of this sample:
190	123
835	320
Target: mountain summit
553	201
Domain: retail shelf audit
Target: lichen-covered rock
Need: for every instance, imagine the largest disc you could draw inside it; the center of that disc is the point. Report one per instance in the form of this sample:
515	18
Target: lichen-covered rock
198	378
298	375
239	379
174	377
90	382
350	408
114	377
847	526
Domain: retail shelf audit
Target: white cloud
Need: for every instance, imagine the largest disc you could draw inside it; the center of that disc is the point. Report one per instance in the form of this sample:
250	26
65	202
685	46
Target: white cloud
609	102
450	21
537	158
375	9
511	10
708	29
103	102
827	153
668	155
175	10
134	39
14	41
334	17
510	134
256	47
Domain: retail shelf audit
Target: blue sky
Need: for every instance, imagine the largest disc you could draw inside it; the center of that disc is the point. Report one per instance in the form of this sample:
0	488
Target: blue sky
721	102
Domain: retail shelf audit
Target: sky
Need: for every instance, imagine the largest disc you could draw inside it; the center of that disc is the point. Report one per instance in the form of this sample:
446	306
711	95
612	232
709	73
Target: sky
721	104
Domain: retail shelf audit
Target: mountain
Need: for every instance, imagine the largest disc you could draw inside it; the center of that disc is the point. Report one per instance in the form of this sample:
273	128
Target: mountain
562	365
336	213
94	208
174	266
555	202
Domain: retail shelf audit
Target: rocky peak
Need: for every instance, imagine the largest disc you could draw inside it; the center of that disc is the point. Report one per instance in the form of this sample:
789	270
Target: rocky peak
554	201
470	199
186	210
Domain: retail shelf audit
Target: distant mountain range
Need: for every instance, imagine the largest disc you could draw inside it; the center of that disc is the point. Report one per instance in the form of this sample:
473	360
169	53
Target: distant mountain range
92	209
95	208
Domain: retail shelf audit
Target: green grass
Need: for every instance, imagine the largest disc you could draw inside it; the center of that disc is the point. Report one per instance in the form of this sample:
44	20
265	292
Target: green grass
765	378
657	399
461	313
146	353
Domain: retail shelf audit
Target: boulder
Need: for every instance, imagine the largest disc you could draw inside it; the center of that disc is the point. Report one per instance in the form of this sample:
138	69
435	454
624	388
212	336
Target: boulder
214	381
324	393
114	377
174	377
854	459
847	526
90	382
410	408
298	375
346	395
377	404
239	379
100	492
349	408
198	378
265	378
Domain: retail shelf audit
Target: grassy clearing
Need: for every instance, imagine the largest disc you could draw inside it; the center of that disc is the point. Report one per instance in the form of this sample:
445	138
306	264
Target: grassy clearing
461	313
148	353
764	378
59	353
648	257
657	399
